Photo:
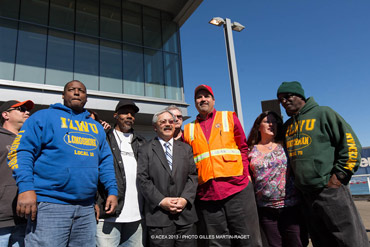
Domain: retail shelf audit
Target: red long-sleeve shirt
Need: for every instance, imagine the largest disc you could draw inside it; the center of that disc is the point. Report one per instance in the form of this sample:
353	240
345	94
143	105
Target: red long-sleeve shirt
221	188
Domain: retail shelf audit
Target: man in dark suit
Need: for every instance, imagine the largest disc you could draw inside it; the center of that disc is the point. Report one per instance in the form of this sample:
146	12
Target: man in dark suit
168	180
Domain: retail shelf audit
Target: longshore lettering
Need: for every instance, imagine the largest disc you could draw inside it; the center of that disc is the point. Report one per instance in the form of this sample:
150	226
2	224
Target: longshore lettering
12	156
352	152
81	140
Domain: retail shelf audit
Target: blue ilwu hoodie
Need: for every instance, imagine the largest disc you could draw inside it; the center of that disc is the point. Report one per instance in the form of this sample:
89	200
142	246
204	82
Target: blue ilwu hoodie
61	155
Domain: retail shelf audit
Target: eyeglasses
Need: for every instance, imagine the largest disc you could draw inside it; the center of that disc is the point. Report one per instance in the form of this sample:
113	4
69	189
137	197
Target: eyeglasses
178	116
19	108
285	97
164	121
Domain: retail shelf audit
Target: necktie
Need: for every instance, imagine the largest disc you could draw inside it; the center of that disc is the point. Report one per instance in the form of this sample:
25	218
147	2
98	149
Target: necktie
168	154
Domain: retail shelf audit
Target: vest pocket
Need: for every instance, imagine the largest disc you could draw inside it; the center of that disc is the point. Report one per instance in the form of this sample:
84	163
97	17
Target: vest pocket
229	158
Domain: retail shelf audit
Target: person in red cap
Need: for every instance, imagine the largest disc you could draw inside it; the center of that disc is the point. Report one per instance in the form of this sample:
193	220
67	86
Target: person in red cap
225	194
12	227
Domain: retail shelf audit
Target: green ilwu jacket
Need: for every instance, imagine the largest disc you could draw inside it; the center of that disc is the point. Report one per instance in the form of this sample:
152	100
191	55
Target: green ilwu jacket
319	143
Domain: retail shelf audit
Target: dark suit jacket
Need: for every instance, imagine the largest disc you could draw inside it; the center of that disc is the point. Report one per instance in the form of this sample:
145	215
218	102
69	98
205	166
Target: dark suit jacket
157	181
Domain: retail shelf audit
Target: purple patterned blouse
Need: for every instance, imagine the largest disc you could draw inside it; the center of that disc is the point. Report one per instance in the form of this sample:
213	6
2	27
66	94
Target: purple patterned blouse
273	184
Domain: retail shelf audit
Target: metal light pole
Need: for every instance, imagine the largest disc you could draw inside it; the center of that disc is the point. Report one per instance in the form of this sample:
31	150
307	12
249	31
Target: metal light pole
234	81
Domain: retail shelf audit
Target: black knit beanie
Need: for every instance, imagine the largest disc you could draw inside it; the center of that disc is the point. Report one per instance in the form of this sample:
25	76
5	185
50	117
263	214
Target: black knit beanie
293	87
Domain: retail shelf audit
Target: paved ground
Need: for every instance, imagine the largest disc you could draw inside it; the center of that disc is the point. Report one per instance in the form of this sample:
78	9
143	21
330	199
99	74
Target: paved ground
363	207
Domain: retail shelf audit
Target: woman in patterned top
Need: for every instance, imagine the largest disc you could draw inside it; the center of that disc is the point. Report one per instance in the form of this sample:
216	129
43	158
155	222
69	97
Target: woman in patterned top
275	194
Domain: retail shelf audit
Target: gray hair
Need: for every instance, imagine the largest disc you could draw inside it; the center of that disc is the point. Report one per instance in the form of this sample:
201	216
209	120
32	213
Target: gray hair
156	115
173	107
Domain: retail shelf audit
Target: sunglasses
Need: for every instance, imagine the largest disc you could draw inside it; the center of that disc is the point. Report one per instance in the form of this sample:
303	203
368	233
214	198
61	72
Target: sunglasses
286	97
19	108
178	116
164	121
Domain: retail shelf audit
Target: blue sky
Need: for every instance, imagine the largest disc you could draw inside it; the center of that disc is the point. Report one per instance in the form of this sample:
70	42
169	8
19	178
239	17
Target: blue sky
323	44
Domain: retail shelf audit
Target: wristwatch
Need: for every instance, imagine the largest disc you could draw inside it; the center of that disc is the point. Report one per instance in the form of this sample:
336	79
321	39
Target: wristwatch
342	177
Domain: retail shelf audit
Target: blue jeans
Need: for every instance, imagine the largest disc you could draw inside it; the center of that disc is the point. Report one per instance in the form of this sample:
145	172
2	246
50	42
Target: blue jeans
60	225
119	234
12	236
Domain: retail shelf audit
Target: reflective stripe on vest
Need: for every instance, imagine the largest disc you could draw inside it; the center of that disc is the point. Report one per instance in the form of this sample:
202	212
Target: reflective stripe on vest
216	152
192	126
225	121
201	157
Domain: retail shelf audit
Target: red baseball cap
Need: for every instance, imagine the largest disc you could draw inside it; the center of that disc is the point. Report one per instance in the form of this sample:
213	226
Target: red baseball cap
205	87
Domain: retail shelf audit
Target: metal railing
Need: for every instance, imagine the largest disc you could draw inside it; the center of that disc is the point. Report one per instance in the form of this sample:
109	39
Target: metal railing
363	179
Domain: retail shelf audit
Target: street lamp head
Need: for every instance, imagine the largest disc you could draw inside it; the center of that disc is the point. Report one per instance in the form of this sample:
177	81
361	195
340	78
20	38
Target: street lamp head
217	21
236	26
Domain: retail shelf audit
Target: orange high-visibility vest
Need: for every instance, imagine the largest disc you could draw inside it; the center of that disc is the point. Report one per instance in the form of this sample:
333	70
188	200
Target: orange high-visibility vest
220	156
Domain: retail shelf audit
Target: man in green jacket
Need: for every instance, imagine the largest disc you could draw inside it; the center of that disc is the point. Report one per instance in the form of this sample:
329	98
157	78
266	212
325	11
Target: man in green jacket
324	153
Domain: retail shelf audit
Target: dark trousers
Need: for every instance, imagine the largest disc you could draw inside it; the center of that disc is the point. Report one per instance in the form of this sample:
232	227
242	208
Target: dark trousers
281	226
333	219
174	235
232	221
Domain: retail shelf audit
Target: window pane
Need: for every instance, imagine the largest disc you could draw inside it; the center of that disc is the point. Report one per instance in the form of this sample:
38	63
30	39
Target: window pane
110	67
9	8
8	41
31	54
133	70
35	11
110	19
59	65
172	76
62	14
154	84
86	61
87	19
170	39
131	25
152	32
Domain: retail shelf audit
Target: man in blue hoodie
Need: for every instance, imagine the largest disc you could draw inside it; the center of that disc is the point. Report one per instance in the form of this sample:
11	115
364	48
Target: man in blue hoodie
57	159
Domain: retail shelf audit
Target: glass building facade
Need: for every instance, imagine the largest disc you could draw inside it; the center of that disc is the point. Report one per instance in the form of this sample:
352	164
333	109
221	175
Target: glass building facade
110	45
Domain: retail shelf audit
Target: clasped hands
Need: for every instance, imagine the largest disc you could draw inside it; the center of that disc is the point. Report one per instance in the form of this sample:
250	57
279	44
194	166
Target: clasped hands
173	205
